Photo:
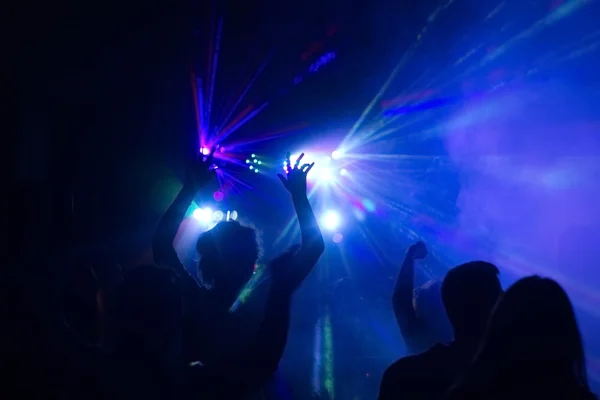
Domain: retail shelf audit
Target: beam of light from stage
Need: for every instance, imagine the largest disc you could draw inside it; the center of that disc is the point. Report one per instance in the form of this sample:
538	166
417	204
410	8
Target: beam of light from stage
317	357
258	278
328	383
346	143
237	119
556	15
241	96
270	136
200	111
253	114
215	61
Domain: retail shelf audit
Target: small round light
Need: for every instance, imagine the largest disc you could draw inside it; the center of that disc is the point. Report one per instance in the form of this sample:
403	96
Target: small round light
218	196
217	215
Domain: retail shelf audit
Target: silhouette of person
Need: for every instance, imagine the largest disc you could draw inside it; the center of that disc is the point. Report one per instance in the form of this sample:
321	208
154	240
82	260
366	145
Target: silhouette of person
469	292
419	312
532	348
228	253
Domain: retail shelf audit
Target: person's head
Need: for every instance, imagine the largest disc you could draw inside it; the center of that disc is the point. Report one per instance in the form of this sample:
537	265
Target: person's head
469	293
148	312
534	324
228	255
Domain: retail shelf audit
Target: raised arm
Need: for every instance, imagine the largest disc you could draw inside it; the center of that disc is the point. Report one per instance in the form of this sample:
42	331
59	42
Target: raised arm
402	298
312	239
197	175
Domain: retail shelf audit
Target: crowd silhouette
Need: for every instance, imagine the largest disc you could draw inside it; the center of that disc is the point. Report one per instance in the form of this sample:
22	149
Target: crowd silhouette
160	331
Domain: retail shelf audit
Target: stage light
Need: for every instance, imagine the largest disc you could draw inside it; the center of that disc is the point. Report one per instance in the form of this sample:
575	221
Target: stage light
336	154
255	161
233	215
259	162
203	215
251	167
331	220
344	172
256	170
247	161
205	151
253	156
217	216
326	174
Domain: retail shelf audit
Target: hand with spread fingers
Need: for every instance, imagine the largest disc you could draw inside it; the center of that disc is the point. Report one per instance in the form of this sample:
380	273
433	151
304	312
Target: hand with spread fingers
295	179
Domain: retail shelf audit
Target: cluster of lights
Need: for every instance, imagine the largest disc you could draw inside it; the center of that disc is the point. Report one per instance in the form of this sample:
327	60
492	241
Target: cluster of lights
207	216
253	163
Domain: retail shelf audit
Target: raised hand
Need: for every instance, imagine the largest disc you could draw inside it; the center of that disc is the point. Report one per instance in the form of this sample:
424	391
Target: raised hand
199	172
417	251
295	181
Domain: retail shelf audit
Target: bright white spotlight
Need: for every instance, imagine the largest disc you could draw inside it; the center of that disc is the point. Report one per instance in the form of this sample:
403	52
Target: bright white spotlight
203	215
331	220
217	216
326	174
336	154
205	151
234	215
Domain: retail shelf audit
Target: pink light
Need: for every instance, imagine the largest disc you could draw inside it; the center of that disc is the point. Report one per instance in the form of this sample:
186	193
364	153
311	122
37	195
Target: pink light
204	150
218	196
